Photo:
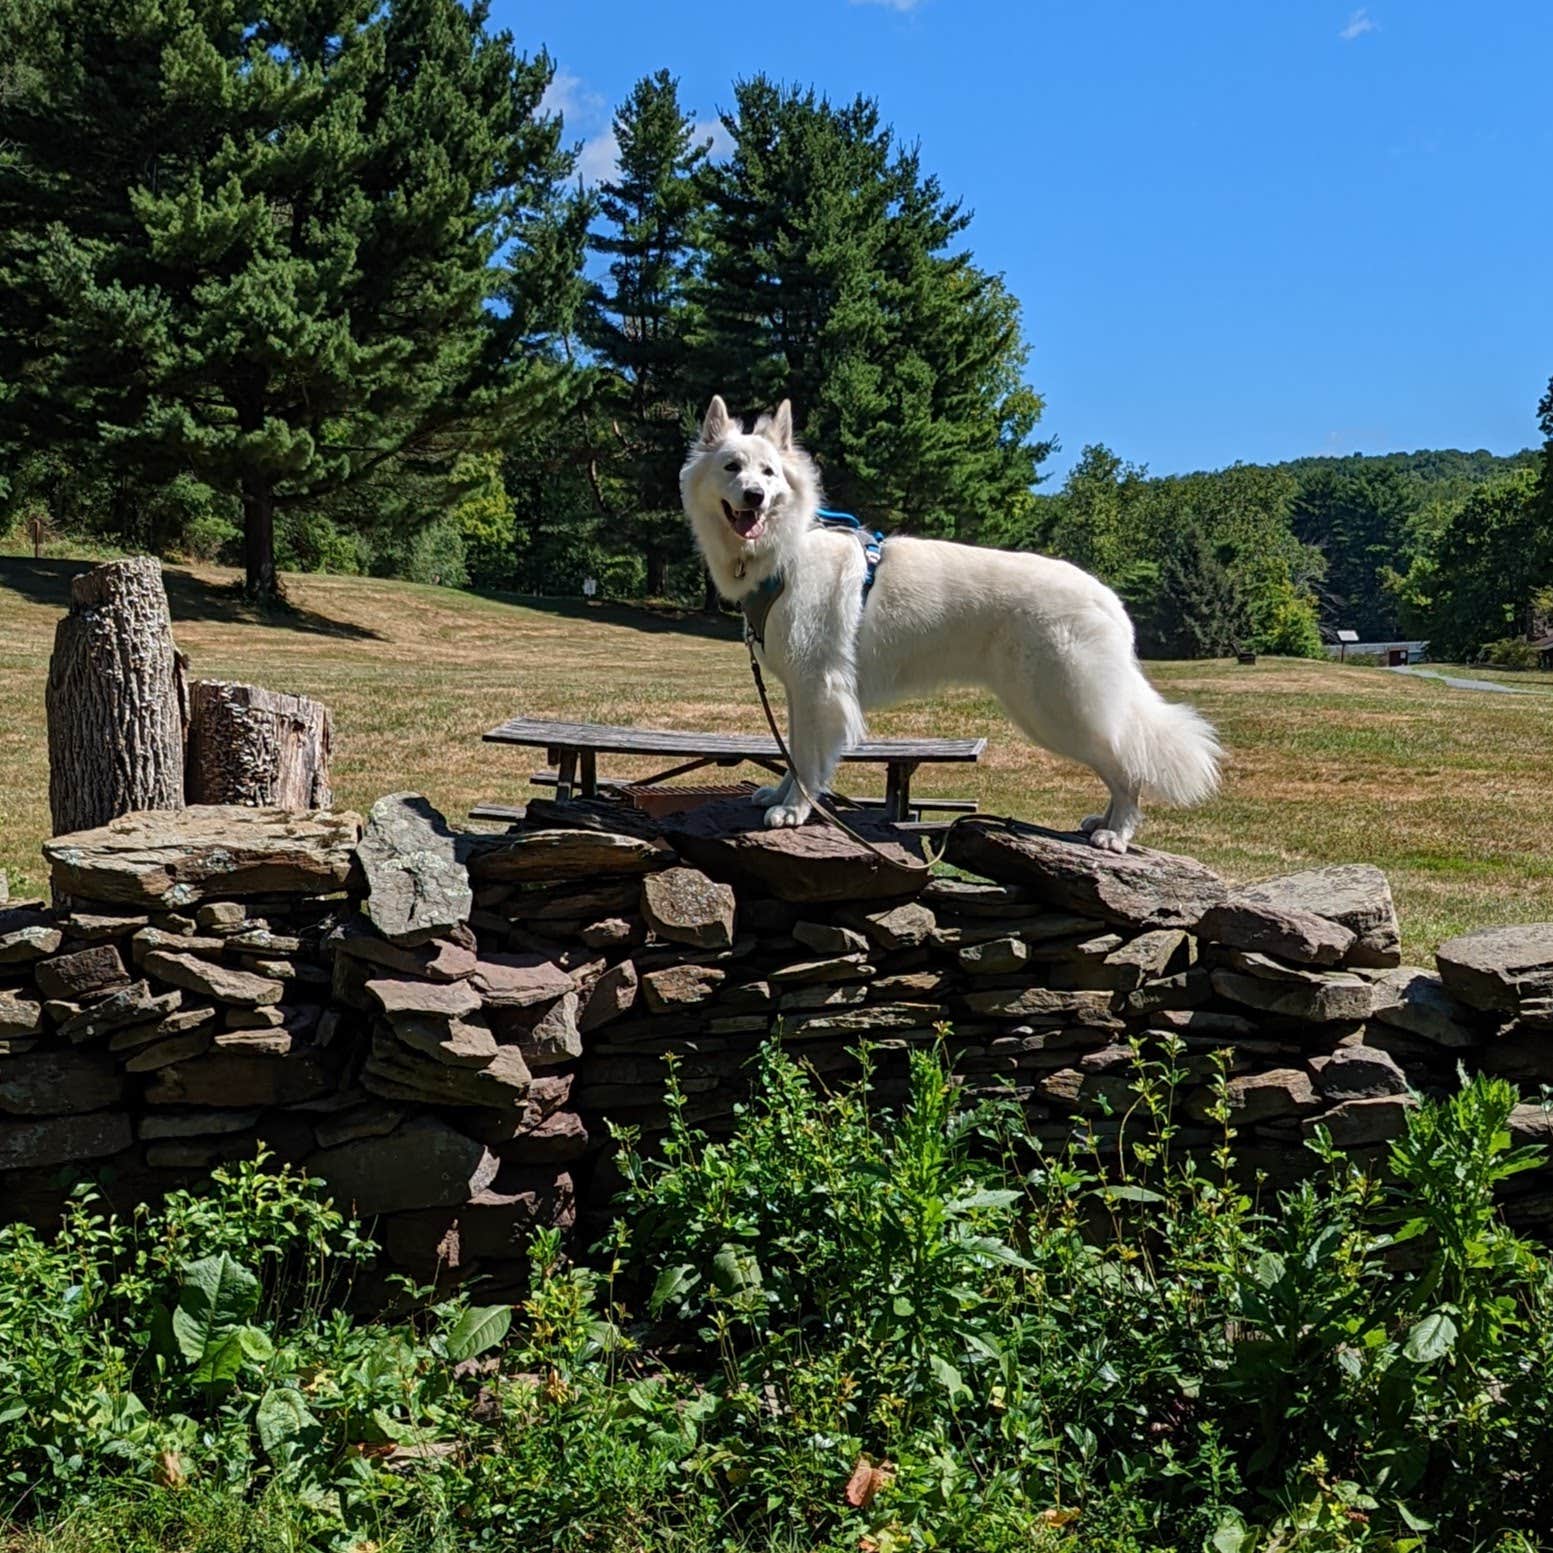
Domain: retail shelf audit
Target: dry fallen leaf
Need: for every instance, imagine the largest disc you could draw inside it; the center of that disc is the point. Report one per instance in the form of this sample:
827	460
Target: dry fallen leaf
170	1471
866	1481
1058	1516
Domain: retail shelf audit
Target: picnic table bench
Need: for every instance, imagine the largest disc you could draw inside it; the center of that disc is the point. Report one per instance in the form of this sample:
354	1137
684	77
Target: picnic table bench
573	749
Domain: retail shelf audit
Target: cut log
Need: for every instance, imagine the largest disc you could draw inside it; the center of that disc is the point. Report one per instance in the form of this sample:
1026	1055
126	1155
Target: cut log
115	699
257	747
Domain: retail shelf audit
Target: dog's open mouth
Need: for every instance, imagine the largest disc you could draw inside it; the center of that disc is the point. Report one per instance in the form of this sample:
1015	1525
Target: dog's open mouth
747	522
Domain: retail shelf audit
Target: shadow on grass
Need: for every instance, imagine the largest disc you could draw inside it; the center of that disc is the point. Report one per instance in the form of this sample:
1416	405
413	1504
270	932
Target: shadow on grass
190	598
655	619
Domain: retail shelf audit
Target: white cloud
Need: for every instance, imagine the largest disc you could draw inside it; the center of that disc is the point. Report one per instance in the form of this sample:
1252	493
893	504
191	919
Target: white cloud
717	131
570	96
1357	25
894	5
599	159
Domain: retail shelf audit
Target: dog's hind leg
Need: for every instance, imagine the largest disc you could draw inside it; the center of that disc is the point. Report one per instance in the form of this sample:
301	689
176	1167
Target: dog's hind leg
1114	830
782	792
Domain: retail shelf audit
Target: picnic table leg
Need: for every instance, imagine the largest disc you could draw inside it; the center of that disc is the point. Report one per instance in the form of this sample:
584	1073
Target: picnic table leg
565	774
897	789
590	774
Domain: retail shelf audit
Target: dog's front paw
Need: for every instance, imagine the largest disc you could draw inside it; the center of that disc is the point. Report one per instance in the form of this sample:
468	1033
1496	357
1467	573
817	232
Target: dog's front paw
764	797
1091	823
782	815
1106	840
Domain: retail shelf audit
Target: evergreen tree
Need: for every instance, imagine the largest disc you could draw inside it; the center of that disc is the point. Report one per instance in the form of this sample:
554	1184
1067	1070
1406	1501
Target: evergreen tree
636	323
1200	609
259	247
830	278
1493	561
1360	519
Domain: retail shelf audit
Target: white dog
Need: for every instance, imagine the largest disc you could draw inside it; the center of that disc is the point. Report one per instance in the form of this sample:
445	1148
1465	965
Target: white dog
1052	643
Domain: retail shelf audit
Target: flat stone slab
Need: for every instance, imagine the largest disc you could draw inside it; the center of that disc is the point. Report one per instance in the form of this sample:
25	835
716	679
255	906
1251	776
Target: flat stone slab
519	980
131	1005
231	1079
433	1000
82	973
1357	1124
610	996
560	854
1286	932
63	1140
1359	1073
20	1016
219	982
27	932
810	863
440	959
685	907
396	1073
178	857
417	885
423	1163
1410	998
58	1083
1356	896
1495	969
1140	888
1337	996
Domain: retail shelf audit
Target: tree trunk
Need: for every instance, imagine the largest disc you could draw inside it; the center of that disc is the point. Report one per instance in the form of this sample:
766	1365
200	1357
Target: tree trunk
657	569
259	537
257	747
115	699
711	602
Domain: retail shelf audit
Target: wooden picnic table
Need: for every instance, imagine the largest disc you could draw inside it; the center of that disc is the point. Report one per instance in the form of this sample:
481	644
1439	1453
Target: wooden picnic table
574	748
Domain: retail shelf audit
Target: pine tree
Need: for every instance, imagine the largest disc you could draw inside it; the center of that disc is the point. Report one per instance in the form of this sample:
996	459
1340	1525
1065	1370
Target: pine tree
831	279
636	322
1200	609
1360	519
261	248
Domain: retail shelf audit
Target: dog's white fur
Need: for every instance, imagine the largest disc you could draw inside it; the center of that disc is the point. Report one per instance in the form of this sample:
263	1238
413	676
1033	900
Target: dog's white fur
1052	643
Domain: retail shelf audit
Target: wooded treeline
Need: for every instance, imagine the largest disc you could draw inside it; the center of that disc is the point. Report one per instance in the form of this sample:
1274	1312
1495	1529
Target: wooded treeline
317	287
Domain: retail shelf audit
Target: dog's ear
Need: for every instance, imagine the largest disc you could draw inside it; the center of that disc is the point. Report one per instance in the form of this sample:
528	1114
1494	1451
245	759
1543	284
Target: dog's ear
778	426
717	422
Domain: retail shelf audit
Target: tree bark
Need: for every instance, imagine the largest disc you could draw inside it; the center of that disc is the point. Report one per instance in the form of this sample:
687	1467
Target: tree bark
258	747
711	600
259	537
115	699
657	571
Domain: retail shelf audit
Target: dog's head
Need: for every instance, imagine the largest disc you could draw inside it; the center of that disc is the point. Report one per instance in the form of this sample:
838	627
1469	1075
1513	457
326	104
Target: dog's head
748	495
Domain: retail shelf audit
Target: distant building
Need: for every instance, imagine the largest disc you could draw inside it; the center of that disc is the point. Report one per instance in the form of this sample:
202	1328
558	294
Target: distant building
1393	654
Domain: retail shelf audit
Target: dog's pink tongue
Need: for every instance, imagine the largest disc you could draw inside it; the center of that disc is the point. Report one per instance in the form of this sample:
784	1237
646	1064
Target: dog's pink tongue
745	523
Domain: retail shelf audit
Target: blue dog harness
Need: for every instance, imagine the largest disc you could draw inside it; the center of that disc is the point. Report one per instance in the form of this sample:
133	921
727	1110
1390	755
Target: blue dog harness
757	605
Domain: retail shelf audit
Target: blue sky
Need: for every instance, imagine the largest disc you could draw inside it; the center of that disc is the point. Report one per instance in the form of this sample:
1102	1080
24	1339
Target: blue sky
1239	229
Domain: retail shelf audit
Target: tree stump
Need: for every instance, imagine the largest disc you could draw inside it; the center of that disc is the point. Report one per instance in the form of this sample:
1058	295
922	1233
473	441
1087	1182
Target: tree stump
115	699
253	746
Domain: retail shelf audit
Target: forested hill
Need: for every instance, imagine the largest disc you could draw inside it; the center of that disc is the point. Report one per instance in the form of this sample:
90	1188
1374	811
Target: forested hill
1452	469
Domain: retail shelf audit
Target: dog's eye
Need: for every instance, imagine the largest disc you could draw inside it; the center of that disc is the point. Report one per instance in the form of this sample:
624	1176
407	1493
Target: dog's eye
768	470
732	469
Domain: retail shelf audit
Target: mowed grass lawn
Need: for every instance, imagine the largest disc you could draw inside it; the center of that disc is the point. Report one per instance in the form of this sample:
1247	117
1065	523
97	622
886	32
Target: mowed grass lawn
1450	791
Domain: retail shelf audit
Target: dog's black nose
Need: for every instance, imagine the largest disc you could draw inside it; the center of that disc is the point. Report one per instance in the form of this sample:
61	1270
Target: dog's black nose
755	498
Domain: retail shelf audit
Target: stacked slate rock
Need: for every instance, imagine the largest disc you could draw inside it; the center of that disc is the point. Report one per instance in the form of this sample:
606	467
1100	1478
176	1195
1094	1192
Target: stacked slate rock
445	1026
1505	976
463	1142
175	1007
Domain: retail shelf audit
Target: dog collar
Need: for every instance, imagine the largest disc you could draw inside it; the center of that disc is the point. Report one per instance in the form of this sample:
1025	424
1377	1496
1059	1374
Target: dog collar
757	606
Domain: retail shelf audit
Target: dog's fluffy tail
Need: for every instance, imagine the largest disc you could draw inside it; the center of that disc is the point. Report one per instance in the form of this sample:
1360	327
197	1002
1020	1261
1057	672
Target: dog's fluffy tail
1169	750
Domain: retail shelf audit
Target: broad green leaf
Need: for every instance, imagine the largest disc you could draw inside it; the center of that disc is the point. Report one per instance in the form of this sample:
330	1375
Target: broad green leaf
673	1284
222	1360
947	1376
256	1344
998	1198
735	1270
280	1416
217	1294
479	1328
1431	1339
1132	1194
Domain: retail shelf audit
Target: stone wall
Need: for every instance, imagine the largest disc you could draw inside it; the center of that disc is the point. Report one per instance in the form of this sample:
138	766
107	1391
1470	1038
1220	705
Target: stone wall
441	1024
